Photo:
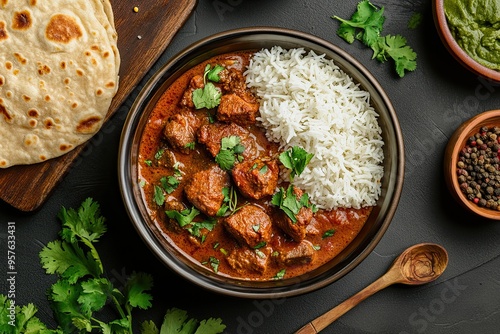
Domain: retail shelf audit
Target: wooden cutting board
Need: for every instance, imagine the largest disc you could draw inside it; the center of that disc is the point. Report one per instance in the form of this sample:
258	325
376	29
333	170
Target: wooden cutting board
142	37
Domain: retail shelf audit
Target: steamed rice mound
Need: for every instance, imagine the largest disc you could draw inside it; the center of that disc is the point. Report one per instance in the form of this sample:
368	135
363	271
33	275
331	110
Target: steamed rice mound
307	101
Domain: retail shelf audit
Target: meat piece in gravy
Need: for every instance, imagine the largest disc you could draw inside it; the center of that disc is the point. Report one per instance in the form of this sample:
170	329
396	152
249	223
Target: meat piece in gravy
295	230
233	81
245	260
233	108
211	136
195	83
250	225
204	189
180	130
256	178
303	253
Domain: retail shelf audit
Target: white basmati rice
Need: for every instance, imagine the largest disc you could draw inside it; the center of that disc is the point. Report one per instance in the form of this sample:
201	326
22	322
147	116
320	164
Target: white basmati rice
307	101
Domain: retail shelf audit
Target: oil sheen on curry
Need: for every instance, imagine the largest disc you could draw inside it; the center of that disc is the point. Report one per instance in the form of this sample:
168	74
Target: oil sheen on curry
211	180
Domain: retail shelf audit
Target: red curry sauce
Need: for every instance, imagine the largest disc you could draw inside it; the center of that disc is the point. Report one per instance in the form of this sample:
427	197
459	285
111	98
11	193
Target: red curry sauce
218	243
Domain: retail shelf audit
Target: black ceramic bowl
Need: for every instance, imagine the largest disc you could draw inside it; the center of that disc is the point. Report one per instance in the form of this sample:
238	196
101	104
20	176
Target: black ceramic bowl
256	38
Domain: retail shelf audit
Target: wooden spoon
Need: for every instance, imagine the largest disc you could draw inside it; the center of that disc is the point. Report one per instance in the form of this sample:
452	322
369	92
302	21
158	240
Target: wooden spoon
419	264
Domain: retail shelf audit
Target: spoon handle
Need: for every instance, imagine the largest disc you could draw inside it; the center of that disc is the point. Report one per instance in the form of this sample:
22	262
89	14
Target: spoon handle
330	316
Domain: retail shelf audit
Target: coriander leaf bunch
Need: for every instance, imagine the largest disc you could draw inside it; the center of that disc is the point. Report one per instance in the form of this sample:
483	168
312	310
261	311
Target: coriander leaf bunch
82	289
366	26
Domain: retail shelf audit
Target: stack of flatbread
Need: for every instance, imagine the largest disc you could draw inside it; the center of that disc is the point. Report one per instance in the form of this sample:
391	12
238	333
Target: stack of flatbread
59	66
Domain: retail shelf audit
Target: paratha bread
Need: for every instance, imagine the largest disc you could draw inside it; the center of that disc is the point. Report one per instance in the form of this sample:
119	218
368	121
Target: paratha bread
59	65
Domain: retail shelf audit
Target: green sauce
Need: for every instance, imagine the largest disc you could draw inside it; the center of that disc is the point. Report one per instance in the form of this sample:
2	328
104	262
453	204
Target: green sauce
475	25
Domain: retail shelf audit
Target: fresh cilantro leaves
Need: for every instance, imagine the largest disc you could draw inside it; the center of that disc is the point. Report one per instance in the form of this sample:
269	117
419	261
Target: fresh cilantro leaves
365	25
229	202
177	321
209	96
295	159
83	291
185	219
230	152
168	184
287	201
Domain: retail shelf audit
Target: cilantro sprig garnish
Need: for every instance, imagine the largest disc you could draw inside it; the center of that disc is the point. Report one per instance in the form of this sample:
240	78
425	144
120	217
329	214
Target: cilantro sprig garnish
167	185
229	202
295	159
366	26
209	96
230	152
287	201
82	293
185	219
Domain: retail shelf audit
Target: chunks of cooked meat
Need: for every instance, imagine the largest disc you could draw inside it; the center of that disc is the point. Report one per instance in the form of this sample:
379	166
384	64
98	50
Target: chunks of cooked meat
303	253
233	108
296	230
250	226
180	130
195	83
233	82
204	189
211	136
245	260
256	178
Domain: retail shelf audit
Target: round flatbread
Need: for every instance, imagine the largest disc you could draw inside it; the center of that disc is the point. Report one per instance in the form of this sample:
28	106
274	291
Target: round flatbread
59	65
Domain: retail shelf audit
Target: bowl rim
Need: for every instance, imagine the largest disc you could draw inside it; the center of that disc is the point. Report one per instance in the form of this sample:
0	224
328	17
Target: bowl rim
455	144
291	290
454	49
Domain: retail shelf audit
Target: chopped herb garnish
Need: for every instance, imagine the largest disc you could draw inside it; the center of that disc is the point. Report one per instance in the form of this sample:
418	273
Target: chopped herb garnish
169	183
184	217
159	153
142	183
223	251
190	145
229	202
296	160
316	247
280	274
256	227
216	245
230	152
209	96
195	227
214	263
159	196
260	245
288	202
328	233
148	162
263	170
260	253
275	253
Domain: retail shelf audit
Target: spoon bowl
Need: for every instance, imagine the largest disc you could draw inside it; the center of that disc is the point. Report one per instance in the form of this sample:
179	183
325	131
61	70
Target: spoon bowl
418	264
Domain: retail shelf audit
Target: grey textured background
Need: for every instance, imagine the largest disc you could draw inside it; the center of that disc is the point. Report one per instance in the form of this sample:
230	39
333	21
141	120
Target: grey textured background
430	102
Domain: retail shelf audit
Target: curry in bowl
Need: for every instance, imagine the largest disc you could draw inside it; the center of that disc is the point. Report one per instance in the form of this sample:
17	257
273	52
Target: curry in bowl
231	196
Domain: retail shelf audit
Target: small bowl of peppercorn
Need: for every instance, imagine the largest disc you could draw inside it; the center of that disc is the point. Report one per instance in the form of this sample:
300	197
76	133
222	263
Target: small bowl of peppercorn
472	164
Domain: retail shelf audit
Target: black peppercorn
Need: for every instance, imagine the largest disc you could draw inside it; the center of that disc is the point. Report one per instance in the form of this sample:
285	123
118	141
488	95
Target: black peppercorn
478	168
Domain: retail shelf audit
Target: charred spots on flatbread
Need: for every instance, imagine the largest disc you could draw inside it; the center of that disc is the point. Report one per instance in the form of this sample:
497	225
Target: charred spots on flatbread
20	58
33	2
64	147
26	98
88	125
3	32
3	111
63	29
33	113
22	20
2	80
43	69
8	65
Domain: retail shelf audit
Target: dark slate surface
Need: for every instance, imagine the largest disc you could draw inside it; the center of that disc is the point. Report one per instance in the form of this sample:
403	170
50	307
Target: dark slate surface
430	102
